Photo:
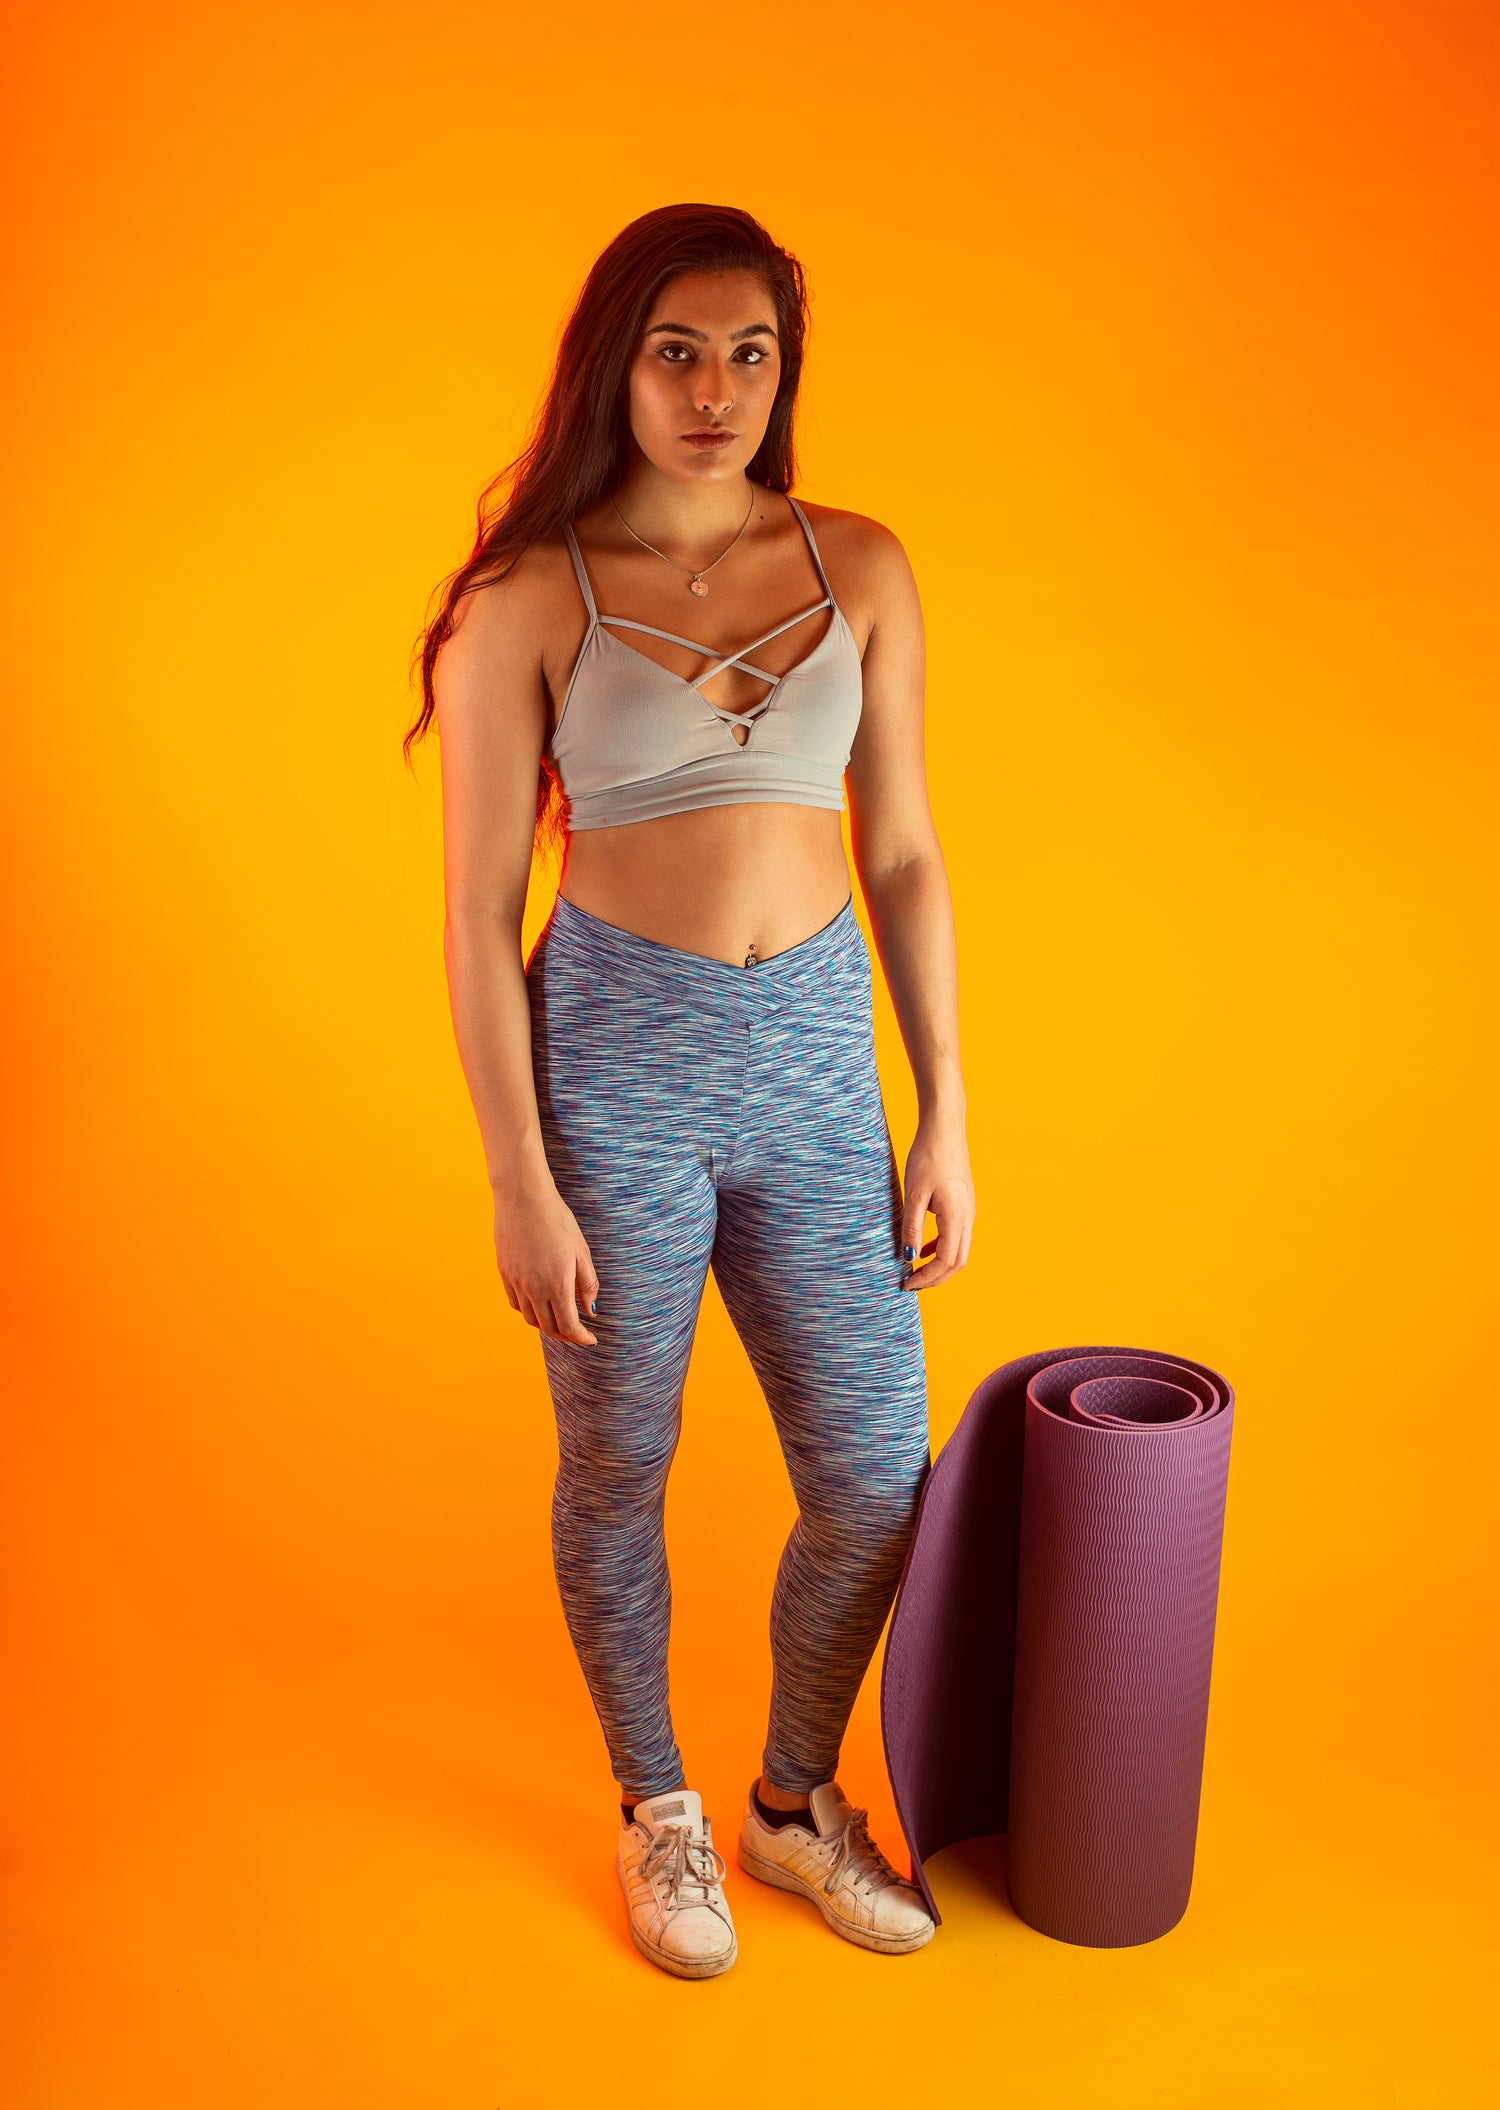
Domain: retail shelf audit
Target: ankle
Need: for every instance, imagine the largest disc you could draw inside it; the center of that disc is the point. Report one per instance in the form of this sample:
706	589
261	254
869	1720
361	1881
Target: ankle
773	1814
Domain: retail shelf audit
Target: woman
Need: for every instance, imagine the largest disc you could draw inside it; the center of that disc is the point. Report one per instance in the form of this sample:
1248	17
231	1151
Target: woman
682	1076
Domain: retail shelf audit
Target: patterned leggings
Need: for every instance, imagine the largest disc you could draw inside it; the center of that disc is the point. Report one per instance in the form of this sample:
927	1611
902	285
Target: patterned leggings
696	1115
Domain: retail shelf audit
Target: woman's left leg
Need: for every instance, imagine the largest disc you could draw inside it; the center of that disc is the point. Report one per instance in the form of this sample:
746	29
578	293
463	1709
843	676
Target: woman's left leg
808	1259
807	1254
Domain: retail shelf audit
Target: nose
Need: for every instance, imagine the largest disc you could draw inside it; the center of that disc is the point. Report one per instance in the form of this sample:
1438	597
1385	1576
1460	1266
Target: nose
715	392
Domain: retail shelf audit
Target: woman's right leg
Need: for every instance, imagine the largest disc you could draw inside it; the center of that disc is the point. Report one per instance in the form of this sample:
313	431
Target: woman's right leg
618	1404
632	1090
650	1227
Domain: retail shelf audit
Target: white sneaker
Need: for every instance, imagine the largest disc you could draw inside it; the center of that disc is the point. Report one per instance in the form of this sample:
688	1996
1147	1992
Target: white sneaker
841	1869
670	1873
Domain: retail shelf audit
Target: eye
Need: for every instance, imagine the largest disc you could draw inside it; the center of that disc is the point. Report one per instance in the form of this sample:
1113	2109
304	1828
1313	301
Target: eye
757	354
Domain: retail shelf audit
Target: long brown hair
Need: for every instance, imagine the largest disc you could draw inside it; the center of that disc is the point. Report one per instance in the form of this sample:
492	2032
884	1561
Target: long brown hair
576	453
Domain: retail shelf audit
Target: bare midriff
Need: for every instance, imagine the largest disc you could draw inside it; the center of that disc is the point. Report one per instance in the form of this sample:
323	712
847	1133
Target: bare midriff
723	881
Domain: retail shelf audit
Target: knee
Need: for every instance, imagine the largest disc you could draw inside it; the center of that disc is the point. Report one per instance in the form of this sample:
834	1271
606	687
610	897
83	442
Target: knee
615	1480
872	1510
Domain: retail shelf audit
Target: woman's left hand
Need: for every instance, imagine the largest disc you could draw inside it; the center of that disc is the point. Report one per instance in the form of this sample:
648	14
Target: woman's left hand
938	1178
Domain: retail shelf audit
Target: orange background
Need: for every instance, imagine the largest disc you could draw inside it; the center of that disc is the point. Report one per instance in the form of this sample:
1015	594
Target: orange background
1165	337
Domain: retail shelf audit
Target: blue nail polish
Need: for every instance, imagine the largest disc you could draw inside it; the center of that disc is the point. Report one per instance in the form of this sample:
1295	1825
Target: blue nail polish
594	1306
908	1252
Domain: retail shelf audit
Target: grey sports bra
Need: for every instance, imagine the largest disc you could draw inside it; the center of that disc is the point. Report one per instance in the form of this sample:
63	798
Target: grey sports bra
635	741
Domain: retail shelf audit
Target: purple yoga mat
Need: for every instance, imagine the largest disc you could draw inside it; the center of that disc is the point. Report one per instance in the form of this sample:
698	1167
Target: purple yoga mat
1046	1672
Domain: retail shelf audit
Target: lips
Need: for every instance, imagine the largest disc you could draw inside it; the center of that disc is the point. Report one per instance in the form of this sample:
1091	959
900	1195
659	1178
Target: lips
709	437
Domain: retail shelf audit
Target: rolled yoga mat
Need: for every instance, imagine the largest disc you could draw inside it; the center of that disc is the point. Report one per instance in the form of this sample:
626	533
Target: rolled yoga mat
1046	1671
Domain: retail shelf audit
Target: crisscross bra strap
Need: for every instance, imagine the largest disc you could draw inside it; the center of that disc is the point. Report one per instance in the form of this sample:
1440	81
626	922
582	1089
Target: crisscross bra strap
625	622
737	659
733	659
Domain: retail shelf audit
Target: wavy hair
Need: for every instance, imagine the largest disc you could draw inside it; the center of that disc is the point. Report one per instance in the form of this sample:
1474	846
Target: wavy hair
576	453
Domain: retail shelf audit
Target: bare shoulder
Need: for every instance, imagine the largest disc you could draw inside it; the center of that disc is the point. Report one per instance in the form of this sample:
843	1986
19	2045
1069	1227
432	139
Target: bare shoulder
523	602
862	537
866	562
506	630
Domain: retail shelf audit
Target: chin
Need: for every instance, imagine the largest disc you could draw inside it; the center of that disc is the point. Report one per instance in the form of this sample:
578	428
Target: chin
707	458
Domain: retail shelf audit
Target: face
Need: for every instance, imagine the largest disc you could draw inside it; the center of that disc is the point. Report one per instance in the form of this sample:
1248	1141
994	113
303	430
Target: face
707	359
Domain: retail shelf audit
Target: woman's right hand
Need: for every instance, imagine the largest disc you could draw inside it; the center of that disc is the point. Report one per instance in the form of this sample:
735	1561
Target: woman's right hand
544	1260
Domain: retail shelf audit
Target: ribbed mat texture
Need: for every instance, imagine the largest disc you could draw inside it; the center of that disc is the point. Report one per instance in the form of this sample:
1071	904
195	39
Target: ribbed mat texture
1046	1672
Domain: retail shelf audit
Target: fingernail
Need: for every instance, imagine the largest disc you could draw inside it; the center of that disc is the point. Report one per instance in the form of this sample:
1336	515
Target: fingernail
594	1306
908	1252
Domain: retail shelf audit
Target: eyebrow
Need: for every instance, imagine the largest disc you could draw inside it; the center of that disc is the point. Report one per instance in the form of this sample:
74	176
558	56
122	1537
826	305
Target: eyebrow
682	329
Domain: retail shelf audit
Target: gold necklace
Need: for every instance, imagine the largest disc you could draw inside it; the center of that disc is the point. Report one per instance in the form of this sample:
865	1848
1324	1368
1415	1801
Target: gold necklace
695	578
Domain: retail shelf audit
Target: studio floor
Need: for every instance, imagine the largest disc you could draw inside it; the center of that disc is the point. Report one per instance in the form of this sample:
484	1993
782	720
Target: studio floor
238	1892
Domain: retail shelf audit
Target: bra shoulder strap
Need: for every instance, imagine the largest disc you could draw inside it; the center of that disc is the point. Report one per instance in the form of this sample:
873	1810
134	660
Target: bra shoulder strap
578	565
812	544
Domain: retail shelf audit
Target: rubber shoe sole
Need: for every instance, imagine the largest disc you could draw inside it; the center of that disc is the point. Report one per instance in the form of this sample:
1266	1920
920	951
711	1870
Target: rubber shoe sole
864	1937
679	1966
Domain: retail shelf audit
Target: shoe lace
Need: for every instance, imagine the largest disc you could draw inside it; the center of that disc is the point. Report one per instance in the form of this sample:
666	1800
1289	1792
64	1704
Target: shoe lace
858	1859
684	1864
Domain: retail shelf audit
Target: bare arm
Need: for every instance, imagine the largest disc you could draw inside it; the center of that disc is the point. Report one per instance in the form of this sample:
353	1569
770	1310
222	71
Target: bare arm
492	721
905	884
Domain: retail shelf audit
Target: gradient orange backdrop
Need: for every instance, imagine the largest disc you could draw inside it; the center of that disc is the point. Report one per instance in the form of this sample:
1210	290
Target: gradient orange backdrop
1165	336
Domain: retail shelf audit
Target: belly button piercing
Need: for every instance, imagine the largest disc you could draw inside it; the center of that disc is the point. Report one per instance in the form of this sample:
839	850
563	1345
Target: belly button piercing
750	959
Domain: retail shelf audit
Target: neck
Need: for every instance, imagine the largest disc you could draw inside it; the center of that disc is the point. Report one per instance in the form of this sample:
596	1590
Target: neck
689	520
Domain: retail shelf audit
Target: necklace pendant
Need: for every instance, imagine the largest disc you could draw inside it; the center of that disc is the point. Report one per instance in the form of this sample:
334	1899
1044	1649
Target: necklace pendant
697	586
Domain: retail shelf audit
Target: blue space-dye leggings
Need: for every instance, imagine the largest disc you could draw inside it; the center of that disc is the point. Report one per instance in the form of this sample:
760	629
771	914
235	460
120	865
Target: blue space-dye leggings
697	1114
